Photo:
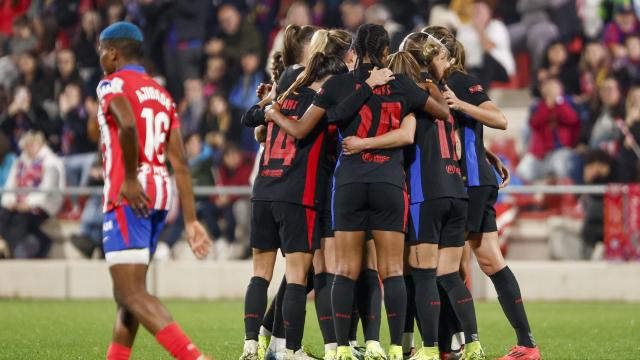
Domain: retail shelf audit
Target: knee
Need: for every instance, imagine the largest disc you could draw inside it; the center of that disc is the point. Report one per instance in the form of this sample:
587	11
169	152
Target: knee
348	270
388	270
489	265
128	299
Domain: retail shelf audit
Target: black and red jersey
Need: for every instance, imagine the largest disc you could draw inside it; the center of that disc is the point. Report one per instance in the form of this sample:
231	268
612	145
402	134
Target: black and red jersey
476	169
434	159
295	171
382	112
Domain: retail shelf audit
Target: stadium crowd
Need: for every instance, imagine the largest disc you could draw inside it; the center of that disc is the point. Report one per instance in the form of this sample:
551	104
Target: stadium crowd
582	59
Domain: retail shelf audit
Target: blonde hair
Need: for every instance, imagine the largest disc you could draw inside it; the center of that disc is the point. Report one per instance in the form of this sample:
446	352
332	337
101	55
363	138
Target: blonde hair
31	136
403	62
335	42
421	47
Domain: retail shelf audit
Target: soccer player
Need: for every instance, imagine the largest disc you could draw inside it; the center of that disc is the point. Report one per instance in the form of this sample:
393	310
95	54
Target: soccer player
140	131
473	109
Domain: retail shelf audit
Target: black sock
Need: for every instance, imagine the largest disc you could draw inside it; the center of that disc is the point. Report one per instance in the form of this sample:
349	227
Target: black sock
427	304
267	322
293	314
462	303
370	304
395	301
278	325
342	304
355	316
409	320
449	324
509	296
322	284
255	302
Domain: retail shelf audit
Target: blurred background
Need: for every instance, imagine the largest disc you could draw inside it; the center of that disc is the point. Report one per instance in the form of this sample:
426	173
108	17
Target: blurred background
565	72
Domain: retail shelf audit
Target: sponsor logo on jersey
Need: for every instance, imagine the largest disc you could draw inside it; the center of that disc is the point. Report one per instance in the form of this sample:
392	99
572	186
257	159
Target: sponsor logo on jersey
272	172
107	226
383	90
113	86
452	169
476	89
375	158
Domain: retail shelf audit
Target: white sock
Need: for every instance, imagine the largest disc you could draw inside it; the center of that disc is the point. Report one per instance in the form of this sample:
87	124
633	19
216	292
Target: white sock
264	331
277	344
250	346
457	341
330	347
407	342
353	343
372	343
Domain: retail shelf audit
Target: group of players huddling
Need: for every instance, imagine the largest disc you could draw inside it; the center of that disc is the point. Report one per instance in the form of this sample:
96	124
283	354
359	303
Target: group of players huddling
372	176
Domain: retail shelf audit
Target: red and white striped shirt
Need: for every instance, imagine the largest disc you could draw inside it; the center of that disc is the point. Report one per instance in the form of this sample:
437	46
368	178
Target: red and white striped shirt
156	116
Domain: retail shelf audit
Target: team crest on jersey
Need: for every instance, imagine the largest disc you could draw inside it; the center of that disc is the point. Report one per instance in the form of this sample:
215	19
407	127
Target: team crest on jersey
476	89
113	86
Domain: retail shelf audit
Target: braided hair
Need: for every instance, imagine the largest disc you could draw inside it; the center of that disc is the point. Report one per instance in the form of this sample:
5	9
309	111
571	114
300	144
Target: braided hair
371	41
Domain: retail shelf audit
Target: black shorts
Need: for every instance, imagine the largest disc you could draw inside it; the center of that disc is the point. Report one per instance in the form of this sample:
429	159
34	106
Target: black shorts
482	213
282	225
326	228
438	221
370	206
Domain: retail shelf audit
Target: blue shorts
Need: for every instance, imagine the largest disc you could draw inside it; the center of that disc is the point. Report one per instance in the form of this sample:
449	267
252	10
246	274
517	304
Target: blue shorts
129	239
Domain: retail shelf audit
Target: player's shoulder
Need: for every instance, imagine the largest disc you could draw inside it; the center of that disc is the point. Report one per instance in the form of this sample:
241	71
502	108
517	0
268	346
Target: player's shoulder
110	85
462	79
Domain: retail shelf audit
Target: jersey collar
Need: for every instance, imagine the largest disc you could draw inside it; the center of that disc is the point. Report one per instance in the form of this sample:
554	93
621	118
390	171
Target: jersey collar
132	67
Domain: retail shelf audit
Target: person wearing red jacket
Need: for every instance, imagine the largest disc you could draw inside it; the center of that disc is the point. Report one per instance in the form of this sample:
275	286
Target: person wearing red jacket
554	129
234	170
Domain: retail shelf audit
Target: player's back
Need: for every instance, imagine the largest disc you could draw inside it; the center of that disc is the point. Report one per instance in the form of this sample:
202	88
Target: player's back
155	115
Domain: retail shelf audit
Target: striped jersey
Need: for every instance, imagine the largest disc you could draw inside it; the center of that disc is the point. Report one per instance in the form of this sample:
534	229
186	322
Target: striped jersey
156	116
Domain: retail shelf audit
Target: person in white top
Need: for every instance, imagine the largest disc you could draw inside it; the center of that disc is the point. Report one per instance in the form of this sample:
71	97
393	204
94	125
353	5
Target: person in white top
487	46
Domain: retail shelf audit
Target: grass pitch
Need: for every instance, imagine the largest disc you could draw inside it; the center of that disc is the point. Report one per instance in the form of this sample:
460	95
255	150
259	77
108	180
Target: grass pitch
82	329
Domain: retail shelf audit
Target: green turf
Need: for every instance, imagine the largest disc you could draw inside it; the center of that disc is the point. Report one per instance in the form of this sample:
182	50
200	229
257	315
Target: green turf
81	329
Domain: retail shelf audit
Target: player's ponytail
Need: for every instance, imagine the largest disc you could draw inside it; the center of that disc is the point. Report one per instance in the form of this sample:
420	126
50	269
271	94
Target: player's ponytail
403	62
419	46
320	66
295	39
457	59
335	42
277	66
371	42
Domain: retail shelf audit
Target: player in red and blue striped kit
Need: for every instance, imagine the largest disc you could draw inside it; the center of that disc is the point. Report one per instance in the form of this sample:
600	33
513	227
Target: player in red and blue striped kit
140	131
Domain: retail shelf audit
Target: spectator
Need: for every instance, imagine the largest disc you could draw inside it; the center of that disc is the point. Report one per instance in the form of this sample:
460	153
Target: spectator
630	149
90	236
627	70
7	157
487	48
243	94
78	151
21	215
9	11
557	64
67	72
380	14
352	14
22	115
36	78
192	107
615	33
598	170
554	133
183	49
297	14
215	77
234	170
84	45
23	39
236	36
600	131
594	68
221	119
535	30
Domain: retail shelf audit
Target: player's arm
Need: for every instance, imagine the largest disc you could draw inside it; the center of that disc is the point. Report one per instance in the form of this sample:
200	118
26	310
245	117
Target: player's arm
196	234
436	104
131	190
400	137
487	112
296	128
255	116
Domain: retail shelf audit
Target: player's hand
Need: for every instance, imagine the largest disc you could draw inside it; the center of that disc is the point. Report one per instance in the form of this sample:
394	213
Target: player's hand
260	133
198	239
353	145
262	90
378	77
451	99
132	191
502	170
271	111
